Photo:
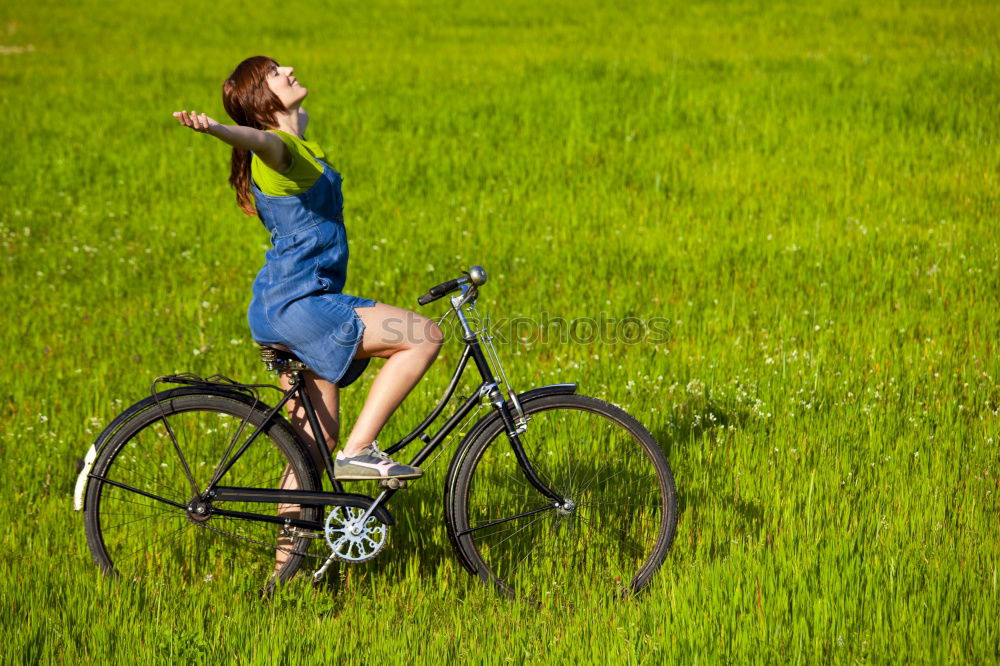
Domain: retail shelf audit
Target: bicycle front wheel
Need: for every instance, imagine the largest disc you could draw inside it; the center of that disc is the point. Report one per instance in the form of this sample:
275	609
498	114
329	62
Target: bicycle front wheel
142	518
612	530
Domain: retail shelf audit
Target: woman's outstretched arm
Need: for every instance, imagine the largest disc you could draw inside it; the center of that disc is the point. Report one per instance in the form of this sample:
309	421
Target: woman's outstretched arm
266	145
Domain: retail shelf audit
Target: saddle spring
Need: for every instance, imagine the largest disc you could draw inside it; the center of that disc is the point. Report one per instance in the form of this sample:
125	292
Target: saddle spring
278	360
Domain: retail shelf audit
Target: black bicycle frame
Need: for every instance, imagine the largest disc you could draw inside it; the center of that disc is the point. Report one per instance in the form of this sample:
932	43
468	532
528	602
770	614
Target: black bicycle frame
488	389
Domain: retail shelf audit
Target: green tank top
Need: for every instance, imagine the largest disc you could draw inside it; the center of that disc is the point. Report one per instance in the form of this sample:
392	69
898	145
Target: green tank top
300	174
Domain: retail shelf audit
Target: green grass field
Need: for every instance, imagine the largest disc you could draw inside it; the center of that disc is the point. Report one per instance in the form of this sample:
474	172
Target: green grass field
806	192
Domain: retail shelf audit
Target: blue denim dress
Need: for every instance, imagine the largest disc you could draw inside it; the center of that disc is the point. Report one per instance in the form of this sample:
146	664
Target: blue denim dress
298	298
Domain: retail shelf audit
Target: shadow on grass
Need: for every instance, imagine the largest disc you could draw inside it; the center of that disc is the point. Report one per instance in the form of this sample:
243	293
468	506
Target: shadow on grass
698	525
418	542
419	531
688	423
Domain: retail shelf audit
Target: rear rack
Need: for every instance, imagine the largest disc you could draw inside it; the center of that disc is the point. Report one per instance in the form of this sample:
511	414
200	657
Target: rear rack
191	379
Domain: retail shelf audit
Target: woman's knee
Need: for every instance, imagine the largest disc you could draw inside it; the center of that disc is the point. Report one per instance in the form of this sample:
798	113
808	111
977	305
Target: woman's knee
425	335
432	339
433	334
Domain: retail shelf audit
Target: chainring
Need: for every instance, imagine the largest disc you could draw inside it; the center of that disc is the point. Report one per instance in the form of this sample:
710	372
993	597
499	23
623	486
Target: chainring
351	541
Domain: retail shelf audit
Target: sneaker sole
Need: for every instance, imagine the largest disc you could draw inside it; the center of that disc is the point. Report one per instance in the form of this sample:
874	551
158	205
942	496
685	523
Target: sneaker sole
358	477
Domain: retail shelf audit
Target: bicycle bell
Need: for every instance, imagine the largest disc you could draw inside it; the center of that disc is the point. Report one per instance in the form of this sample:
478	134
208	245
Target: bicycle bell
477	275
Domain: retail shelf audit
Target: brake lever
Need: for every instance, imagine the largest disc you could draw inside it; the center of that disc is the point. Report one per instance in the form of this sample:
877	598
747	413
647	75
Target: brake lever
440	321
469	292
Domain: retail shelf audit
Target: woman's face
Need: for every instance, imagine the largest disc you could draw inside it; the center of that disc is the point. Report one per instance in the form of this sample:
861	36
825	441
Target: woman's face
285	87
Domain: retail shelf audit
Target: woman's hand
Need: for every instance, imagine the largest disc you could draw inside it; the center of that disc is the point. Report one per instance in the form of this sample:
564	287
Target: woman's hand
266	145
199	122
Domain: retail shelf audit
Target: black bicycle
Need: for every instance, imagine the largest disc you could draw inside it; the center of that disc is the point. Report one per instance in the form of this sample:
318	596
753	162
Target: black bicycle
548	493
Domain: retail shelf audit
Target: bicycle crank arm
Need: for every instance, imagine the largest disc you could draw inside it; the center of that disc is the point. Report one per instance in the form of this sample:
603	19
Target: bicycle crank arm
307	497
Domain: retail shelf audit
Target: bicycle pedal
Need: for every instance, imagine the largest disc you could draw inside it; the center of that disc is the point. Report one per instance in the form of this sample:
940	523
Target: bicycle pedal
393	484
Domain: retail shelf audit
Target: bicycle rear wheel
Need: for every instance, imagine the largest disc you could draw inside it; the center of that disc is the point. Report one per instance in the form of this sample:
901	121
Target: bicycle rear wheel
612	531
144	537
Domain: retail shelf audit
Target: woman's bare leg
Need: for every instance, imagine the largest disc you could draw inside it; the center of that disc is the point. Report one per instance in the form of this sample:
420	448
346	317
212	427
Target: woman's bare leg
409	342
325	399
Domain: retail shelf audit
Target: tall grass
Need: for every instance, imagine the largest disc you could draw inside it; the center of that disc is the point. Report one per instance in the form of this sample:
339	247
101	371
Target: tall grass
806	192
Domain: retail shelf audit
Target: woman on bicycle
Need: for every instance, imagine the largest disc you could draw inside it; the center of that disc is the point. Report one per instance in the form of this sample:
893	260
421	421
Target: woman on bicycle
298	300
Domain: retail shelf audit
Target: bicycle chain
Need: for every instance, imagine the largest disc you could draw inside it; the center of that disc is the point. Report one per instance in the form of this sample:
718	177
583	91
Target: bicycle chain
276	546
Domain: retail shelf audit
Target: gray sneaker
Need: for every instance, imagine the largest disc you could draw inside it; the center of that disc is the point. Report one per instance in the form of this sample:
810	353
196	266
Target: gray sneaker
371	463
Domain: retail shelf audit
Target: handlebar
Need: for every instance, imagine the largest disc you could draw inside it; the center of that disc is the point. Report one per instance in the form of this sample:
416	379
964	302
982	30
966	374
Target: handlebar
440	290
476	276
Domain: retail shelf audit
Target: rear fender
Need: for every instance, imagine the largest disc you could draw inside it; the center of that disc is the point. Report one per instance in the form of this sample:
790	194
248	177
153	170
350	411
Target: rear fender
87	464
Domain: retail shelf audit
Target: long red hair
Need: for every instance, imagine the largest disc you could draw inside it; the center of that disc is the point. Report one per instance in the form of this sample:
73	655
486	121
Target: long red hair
249	102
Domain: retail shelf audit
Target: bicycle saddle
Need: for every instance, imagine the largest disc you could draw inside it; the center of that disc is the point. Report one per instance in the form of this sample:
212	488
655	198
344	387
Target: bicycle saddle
280	358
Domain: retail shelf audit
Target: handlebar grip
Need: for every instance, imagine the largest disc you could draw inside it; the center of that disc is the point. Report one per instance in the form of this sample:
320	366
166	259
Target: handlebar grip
444	288
437	291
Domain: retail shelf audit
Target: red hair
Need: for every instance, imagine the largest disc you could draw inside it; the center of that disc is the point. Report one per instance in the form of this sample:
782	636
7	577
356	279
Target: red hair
249	102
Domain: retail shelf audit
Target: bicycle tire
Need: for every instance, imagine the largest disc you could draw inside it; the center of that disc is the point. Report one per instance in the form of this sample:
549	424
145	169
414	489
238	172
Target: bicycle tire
610	543
140	538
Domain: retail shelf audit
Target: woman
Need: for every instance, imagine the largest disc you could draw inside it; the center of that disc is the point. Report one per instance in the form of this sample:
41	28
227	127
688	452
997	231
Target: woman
298	300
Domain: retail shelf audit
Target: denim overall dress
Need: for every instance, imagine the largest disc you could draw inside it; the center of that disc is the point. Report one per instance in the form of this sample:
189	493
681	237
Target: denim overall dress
297	297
